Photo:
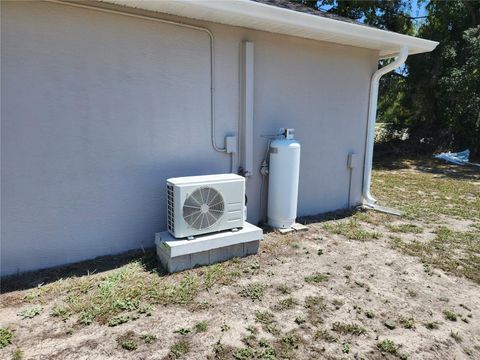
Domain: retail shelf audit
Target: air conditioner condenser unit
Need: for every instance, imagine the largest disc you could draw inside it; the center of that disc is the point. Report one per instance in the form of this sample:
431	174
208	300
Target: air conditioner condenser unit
204	204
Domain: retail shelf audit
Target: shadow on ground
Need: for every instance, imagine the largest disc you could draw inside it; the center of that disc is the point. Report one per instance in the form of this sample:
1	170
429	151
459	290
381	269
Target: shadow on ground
100	264
430	166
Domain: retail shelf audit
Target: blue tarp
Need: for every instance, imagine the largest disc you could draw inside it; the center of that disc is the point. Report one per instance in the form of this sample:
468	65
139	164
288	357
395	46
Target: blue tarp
459	158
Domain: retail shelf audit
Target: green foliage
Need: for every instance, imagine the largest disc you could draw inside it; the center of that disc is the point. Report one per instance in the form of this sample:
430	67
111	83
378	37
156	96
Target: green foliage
6	337
31	312
435	97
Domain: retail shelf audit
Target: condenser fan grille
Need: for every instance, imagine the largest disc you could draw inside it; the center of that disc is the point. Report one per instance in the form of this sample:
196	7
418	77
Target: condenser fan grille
203	208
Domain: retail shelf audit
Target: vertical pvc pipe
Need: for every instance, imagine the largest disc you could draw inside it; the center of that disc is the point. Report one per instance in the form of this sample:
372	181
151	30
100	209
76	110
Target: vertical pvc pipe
247	108
368	199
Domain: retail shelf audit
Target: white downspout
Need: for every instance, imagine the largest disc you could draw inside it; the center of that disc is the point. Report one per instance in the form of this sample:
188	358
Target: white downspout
367	198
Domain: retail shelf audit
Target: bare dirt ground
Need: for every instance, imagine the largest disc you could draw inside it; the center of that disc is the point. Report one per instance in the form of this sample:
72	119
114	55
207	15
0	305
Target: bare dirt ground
355	285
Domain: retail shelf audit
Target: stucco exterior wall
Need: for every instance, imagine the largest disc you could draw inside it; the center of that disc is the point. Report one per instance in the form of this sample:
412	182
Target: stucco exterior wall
98	110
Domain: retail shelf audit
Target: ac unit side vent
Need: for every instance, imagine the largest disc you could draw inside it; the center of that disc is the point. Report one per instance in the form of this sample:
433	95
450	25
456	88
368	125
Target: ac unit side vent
170	209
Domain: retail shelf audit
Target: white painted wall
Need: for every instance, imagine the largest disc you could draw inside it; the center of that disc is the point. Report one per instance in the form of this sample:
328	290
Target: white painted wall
99	109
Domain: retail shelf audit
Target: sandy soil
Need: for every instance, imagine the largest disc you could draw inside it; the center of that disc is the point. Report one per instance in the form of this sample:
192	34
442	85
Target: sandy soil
363	276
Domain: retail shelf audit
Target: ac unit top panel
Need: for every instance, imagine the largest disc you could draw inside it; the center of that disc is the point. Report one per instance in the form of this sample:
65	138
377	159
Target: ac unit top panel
204	179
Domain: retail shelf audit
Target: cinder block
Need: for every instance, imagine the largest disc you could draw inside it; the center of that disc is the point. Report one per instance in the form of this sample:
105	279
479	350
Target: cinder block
237	250
219	255
182	254
179	263
199	259
251	247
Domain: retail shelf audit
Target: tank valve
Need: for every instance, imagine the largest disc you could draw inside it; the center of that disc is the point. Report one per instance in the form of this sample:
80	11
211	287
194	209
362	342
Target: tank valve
264	168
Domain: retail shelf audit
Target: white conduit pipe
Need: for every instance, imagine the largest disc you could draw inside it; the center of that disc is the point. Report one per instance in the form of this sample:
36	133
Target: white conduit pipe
176	23
367	198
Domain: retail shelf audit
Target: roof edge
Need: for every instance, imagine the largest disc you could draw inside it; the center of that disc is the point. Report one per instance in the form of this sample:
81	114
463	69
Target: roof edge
259	16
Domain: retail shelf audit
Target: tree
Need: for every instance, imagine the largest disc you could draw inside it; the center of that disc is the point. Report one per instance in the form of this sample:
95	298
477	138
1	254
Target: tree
436	96
443	87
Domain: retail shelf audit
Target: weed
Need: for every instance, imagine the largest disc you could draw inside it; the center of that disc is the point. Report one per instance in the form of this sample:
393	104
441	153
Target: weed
291	341
432	325
264	317
6	337
148	338
346	348
201	326
320	252
388	346
316	306
252	329
455	336
183	331
127	341
405	228
61	311
369	314
253	291
407	323
299	320
118	320
180	348
284	289
250	340
285	304
412	293
449	315
316	278
17	354
243	353
351	229
31	312
224	328
345	328
324	334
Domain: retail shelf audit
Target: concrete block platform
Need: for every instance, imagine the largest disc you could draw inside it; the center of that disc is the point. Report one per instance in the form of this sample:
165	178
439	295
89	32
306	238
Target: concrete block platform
182	254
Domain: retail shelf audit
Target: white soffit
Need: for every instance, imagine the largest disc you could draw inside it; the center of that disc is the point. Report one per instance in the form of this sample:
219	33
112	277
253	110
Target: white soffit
258	16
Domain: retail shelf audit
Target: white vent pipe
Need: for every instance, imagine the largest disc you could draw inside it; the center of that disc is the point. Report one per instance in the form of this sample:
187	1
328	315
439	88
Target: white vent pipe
367	198
247	81
175	23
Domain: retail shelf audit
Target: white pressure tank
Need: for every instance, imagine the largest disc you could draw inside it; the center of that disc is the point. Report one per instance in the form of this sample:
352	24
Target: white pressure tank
284	171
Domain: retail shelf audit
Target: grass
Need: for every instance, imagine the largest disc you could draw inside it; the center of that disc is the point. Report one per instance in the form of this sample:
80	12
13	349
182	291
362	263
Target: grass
407	323
351	229
450	315
325	335
6	337
285	304
253	291
316	278
148	338
456	336
348	329
16	354
201	326
127	341
388	346
128	292
180	348
137	289
405	228
430	191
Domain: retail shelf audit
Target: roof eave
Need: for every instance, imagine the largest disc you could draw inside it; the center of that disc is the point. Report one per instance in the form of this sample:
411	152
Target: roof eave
258	16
